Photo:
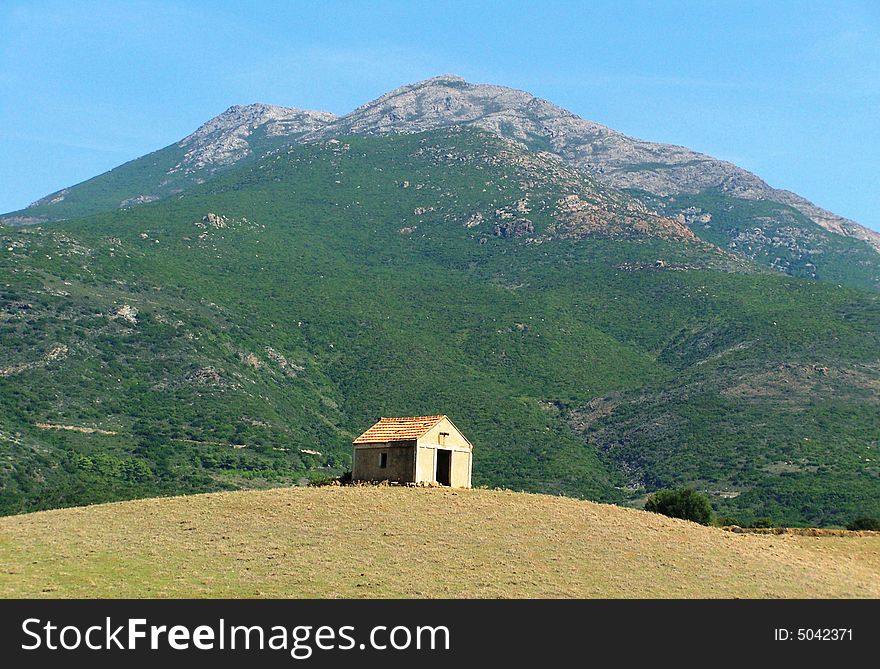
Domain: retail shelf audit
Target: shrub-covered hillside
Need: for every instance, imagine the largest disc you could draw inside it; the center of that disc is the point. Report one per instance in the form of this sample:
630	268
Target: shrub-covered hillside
241	333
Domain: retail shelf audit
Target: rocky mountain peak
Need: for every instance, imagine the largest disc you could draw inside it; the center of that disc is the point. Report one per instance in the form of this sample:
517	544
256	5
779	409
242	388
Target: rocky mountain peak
448	100
440	79
611	157
224	139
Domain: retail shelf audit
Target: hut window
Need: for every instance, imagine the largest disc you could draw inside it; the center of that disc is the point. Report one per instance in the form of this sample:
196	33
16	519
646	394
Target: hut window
442	439
383	460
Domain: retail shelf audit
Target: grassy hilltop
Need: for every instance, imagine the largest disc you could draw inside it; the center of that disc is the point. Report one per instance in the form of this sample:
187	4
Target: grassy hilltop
410	542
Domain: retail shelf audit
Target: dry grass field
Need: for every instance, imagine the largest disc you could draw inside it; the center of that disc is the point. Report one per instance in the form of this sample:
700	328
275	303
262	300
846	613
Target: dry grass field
411	542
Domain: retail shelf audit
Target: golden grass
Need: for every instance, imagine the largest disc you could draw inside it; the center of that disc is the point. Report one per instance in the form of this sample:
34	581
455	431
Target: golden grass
411	542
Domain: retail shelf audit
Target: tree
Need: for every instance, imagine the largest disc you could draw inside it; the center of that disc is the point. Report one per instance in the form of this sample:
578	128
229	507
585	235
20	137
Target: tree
864	523
136	470
684	503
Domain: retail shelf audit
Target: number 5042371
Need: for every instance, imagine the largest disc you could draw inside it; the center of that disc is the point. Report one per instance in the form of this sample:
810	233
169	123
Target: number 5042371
810	634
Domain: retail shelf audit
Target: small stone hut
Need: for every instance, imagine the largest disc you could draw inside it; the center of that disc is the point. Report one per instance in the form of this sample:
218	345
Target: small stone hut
419	449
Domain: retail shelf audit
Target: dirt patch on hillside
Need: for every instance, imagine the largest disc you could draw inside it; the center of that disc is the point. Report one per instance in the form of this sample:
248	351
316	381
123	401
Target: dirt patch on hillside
54	354
596	409
74	428
792	382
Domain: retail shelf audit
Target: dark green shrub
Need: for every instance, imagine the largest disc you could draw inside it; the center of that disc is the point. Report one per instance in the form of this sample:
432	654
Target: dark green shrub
725	521
761	523
342	479
864	523
684	503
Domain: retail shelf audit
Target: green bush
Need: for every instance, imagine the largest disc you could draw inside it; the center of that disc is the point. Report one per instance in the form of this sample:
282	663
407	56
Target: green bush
864	523
761	523
320	481
684	503
726	521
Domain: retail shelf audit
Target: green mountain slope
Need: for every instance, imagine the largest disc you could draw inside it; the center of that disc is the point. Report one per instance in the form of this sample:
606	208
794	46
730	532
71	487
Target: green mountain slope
132	183
241	333
775	235
236	137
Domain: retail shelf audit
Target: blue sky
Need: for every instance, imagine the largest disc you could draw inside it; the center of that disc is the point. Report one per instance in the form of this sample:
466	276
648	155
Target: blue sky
789	90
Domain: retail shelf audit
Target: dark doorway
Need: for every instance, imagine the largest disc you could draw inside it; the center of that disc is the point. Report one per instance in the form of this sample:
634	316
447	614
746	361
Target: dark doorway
444	467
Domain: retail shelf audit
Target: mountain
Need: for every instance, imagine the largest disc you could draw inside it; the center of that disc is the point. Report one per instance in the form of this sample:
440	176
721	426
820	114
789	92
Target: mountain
327	542
776	227
588	339
620	161
722	203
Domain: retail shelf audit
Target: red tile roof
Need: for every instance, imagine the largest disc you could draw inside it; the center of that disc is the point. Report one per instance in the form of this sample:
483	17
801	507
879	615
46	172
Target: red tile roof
398	429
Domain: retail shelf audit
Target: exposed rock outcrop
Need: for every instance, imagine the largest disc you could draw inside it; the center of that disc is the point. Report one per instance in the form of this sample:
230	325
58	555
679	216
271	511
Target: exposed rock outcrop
518	227
225	139
124	312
